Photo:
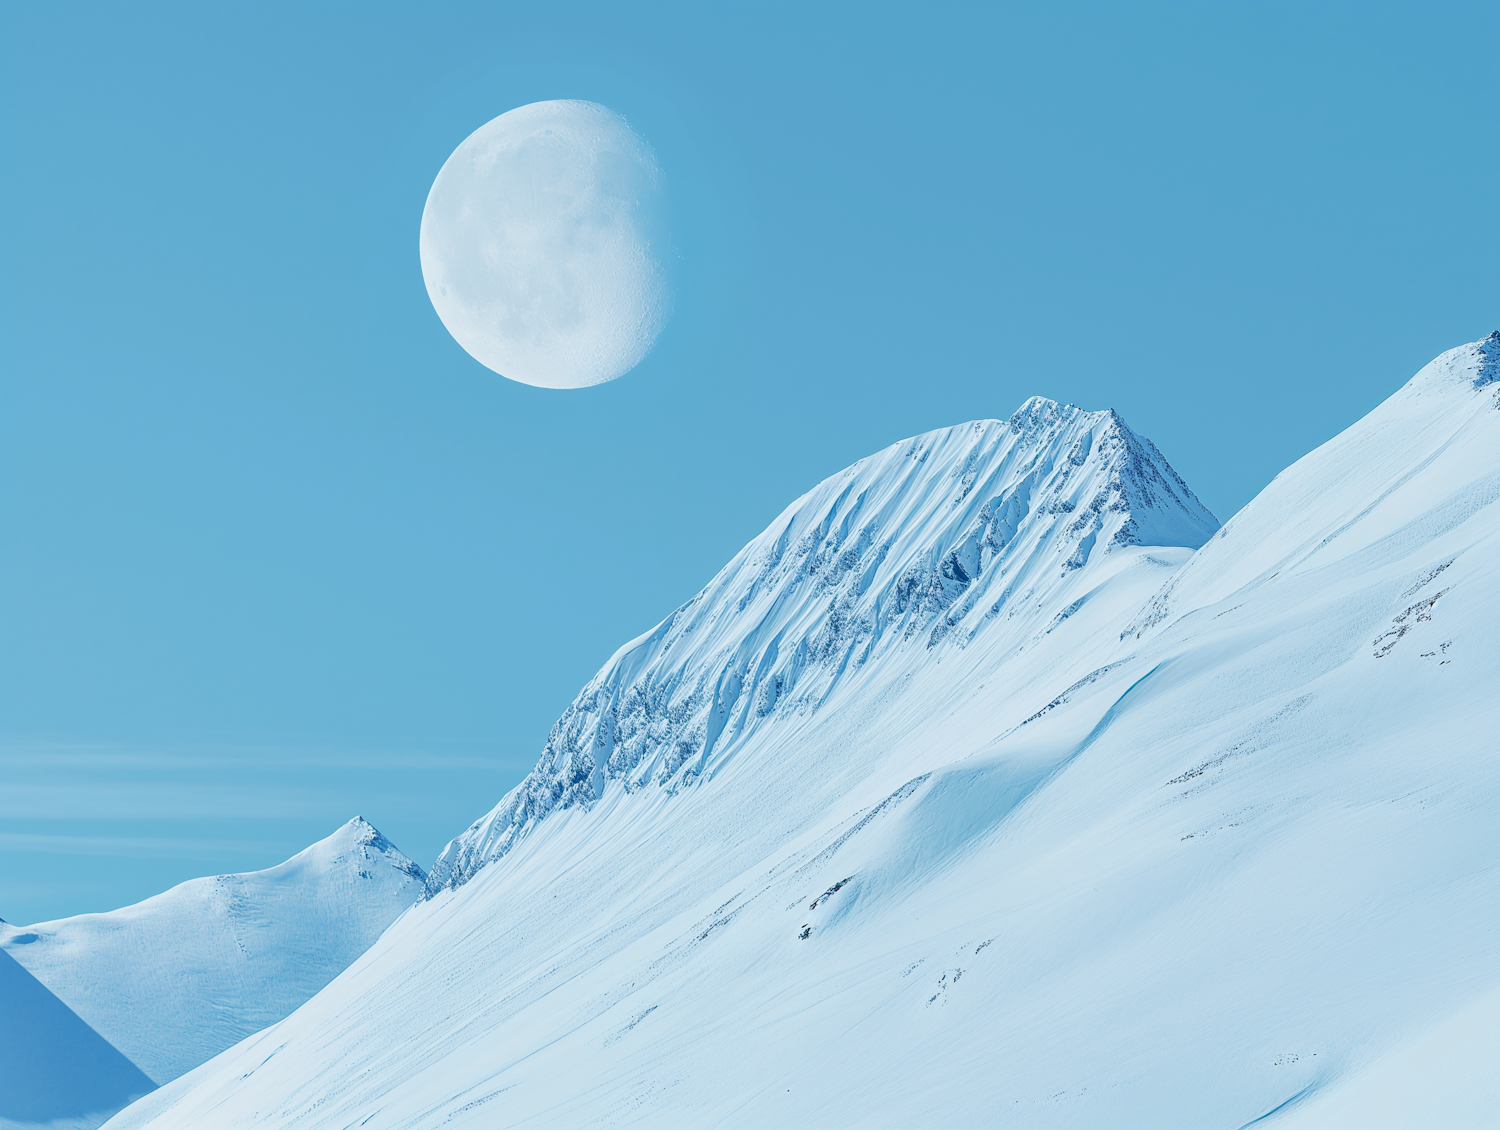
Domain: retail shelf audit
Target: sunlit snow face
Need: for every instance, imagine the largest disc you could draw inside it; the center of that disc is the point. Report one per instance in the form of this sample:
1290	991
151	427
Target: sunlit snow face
543	245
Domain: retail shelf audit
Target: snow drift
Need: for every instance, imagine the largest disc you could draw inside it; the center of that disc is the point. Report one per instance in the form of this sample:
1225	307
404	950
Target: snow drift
982	789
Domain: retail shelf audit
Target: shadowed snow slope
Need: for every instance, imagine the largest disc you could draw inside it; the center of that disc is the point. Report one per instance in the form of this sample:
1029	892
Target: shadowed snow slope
953	801
176	979
54	1069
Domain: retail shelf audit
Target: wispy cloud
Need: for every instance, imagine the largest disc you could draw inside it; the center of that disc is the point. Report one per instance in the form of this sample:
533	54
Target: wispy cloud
21	754
75	781
142	847
105	825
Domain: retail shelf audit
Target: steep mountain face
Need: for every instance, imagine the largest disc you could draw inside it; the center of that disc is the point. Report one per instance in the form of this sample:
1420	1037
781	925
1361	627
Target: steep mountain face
176	979
920	547
1171	838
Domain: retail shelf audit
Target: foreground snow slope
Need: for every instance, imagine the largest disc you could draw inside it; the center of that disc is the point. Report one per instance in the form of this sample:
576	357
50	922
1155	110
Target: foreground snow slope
1158	839
176	979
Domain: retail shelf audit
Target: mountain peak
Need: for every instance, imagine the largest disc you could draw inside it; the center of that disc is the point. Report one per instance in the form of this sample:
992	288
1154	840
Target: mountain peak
359	834
931	544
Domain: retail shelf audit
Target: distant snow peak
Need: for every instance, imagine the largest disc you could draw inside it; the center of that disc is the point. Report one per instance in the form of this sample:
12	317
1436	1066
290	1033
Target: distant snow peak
176	979
930	543
369	839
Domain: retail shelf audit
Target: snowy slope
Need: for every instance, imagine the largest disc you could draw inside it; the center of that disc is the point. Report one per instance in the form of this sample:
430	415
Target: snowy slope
54	1069
1166	839
176	979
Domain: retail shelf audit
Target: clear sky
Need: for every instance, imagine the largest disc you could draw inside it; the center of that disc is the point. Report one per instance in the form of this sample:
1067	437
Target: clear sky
275	551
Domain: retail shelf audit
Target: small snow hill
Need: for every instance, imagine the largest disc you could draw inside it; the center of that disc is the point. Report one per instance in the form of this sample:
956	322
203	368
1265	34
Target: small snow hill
174	980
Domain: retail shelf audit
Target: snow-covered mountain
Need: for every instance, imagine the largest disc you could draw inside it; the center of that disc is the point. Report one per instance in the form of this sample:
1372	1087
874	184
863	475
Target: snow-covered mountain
172	981
901	559
976	792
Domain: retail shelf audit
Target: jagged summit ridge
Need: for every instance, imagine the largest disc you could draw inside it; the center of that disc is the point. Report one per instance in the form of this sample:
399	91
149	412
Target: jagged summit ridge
919	548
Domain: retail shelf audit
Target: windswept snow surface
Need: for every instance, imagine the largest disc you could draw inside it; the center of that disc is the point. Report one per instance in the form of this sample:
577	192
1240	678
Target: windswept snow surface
176	979
1093	834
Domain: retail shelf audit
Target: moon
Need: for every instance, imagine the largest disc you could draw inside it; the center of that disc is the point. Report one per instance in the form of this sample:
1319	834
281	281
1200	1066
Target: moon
544	247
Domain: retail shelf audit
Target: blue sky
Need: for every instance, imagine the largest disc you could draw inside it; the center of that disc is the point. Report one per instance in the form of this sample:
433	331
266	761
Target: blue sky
276	551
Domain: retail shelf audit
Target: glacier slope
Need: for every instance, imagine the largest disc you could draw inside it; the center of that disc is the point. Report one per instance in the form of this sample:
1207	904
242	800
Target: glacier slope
1196	853
176	979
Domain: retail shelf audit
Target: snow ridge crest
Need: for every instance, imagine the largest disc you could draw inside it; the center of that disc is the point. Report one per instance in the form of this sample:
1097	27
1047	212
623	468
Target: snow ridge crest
921	547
